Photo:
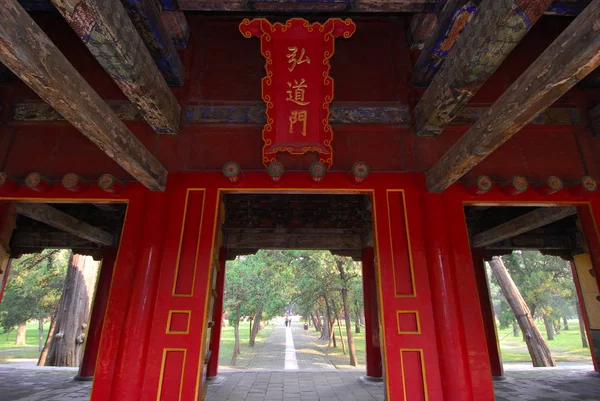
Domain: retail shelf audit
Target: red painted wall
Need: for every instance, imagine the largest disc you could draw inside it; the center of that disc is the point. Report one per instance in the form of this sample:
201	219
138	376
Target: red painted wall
374	65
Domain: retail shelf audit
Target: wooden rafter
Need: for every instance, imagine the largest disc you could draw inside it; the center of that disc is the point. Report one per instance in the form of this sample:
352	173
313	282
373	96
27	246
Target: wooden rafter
529	221
107	31
29	53
495	30
21	240
573	55
55	218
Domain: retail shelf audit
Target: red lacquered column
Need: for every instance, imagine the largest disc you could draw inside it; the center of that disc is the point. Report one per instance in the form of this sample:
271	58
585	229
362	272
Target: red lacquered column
131	363
456	383
215	338
487	312
372	340
92	342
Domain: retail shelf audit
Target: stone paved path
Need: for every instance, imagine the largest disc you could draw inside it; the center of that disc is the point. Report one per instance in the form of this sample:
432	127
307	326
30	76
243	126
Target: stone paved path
314	379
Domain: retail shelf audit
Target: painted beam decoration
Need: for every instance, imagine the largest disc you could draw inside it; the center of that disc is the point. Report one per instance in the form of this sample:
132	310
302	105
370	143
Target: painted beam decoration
297	89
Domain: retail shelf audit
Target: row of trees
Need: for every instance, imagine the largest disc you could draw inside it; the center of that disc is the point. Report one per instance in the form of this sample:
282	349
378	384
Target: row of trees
317	285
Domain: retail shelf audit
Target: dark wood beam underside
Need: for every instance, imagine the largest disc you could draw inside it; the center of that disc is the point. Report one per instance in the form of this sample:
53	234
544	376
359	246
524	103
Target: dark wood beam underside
55	218
529	221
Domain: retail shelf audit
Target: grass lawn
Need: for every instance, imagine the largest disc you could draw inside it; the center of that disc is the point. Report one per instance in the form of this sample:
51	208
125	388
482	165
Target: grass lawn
336	356
9	352
566	346
227	341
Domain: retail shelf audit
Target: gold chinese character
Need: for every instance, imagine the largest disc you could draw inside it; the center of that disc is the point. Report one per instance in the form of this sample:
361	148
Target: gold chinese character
295	61
298	116
297	91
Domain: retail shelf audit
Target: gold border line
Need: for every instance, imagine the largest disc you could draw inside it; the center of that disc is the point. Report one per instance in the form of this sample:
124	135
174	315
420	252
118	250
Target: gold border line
171	313
406	312
183	224
382	334
408	244
208	293
191	293
162	370
422	356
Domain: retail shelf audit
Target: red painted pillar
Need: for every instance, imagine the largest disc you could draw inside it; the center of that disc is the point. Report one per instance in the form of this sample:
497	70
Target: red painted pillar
372	340
215	339
456	383
487	312
92	342
135	334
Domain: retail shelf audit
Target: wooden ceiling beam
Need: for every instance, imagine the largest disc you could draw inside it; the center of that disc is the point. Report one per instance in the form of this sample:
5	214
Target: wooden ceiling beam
294	241
451	20
24	240
573	55
107	31
529	221
29	53
148	20
494	31
55	218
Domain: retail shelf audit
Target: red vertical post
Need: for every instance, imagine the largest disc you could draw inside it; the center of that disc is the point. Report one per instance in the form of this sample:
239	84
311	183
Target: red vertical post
487	312
215	339
133	350
372	340
92	342
456	383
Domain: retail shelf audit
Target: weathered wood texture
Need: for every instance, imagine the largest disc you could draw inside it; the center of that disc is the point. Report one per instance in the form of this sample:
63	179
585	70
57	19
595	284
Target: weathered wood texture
452	19
538	349
148	20
595	120
254	113
422	25
177	27
55	218
573	55
30	54
496	28
109	34
522	224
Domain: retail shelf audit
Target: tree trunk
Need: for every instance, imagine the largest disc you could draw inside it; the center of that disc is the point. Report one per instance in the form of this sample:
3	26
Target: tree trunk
47	345
236	334
565	323
341	337
538	349
549	328
41	334
515	328
584	341
358	317
21	334
351	348
73	313
256	326
316	322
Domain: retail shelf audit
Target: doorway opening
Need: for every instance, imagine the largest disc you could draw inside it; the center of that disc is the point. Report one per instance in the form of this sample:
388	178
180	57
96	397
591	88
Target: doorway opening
532	265
56	268
301	300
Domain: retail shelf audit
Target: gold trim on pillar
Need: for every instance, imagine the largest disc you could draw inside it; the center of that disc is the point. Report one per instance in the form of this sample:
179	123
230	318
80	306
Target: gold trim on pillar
420	351
189	318
162	370
415	313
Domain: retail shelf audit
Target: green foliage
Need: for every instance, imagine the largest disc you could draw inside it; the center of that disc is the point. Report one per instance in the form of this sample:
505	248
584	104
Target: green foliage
545	282
34	287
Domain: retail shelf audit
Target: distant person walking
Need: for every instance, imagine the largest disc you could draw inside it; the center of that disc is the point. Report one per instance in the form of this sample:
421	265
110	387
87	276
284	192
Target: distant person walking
286	321
290	322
